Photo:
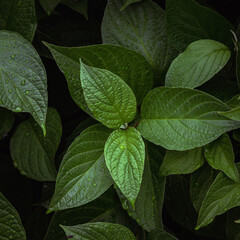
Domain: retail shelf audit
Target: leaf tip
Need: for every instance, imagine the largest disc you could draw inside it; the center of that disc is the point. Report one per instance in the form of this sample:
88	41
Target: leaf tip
44	129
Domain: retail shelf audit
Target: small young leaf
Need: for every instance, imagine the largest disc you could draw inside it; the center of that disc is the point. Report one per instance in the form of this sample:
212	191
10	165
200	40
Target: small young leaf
187	21
10	222
128	2
220	155
233	114
83	175
182	119
184	162
23	80
197	64
222	195
109	98
32	153
6	121
80	6
99	231
125	153
18	16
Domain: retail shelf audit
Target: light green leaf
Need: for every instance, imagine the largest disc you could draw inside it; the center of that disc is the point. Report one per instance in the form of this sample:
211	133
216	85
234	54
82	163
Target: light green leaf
220	155
127	3
233	114
182	119
32	153
10	222
182	162
160	234
6	121
83	175
80	6
200	182
232	225
49	5
109	98
18	16
187	21
197	64
127	64
125	153
23	80
100	231
223	195
140	27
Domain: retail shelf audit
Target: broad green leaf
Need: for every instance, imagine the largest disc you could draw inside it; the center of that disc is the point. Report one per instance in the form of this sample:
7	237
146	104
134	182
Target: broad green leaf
99	230
6	121
109	98
187	21
83	175
32	153
160	235
23	80
125	153
140	27
232	225
10	222
222	195
49	5
219	155
80	6
127	3
233	114
182	162
104	209
18	16
182	119
200	182
148	205
127	64
197	64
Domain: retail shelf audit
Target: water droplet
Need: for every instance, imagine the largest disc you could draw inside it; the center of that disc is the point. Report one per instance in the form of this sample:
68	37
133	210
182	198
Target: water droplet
15	164
89	179
23	82
13	56
27	61
121	146
10	90
6	81
94	184
27	92
18	109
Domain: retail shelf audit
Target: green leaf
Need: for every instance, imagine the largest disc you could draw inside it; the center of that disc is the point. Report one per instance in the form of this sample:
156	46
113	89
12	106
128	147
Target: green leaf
197	64
127	64
200	182
109	98
234	102
83	175
49	5
80	6
184	162
160	234
11	225
187	21
140	27
232	225
182	119
222	195
220	156
149	202
238	63
125	153
23	80
233	114
99	230
32	153
6	121
127	3
18	16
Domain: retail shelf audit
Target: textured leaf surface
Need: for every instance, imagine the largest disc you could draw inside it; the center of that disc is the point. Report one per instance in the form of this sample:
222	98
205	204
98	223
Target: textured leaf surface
182	119
49	5
125	153
10	222
140	27
197	64
130	66
80	6
182	162
23	80
100	231
6	121
109	98
83	175
222	195
161	235
188	21
32	153
220	155
18	16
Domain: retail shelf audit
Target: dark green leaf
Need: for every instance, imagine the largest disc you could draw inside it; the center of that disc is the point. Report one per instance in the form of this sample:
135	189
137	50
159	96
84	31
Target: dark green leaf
83	175
10	222
184	162
49	5
23	80
127	3
233	114
188	21
80	6
161	235
6	121
182	119
233	226
32	153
